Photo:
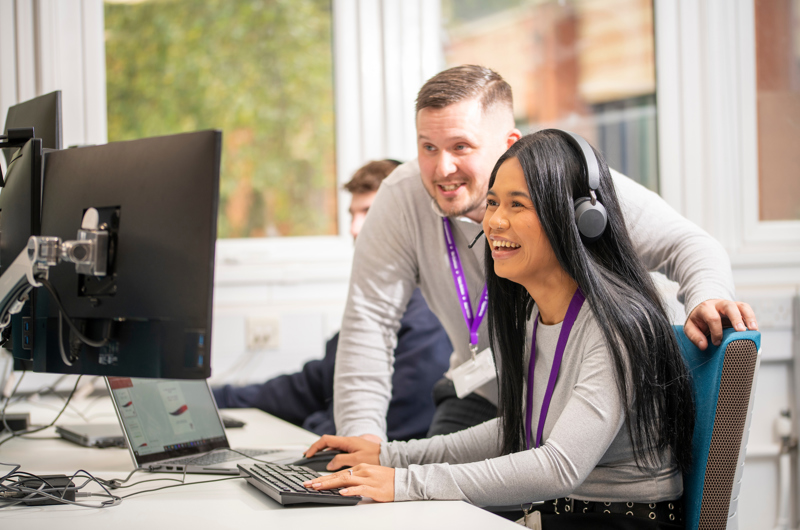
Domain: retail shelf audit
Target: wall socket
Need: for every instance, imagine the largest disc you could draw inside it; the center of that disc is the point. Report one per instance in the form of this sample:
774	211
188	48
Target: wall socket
262	333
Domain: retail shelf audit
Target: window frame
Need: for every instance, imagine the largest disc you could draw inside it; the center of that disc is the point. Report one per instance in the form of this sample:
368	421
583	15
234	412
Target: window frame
706	99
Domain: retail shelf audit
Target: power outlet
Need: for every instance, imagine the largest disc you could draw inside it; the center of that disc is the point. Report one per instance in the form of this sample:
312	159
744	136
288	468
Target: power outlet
263	333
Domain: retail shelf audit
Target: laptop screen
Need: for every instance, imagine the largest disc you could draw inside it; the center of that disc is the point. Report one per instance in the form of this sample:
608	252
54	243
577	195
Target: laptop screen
167	418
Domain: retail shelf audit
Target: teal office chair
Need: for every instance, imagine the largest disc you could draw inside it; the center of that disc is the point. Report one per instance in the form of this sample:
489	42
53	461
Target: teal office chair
724	380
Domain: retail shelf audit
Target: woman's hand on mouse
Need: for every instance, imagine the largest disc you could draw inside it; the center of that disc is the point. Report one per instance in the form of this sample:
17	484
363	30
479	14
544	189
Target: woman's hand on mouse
375	482
358	451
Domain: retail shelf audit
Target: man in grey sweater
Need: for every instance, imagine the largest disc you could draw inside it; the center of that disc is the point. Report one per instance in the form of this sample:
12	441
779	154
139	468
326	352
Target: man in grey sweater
464	123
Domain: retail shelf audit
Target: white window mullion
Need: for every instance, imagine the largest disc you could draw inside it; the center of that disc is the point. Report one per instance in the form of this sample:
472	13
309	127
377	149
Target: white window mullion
94	72
25	50
8	59
371	75
669	98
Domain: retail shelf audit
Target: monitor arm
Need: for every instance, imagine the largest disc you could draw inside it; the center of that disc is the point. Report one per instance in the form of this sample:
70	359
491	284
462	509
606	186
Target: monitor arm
89	253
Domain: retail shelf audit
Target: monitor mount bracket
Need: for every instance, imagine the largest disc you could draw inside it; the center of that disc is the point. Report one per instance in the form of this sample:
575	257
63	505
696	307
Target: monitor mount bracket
89	253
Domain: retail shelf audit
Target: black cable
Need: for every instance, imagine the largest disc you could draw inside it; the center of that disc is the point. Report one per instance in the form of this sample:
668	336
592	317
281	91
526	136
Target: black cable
182	480
83	338
115	483
179	485
17	489
34	493
92	478
8	400
15	466
14	434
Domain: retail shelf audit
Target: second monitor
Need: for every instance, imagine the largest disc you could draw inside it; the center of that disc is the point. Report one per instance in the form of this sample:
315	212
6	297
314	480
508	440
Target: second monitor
157	198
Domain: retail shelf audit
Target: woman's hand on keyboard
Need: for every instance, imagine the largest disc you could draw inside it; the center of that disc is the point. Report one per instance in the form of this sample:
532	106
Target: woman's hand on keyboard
375	482
358	450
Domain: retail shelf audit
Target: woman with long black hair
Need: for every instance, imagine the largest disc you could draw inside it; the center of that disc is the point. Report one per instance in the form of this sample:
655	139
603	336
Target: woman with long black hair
595	414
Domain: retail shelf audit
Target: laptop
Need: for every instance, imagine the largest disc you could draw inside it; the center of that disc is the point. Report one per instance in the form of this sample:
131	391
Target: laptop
92	434
173	426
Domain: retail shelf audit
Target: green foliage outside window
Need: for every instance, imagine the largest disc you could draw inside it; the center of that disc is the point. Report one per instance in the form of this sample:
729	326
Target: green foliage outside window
259	70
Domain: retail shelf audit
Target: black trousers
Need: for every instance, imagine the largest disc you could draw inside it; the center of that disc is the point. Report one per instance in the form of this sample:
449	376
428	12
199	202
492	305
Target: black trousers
454	414
600	521
593	521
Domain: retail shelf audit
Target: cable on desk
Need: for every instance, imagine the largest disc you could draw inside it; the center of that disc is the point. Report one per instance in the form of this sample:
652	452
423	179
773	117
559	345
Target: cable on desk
10	491
117	484
179	485
14	434
47	390
13	492
8	400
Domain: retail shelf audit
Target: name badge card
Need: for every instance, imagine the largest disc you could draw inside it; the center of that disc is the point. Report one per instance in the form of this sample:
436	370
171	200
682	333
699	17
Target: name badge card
474	373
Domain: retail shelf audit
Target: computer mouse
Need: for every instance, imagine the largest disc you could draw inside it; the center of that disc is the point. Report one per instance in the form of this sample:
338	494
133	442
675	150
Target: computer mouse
319	461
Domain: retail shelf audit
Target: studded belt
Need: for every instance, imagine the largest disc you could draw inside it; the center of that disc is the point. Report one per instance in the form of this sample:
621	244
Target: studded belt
664	512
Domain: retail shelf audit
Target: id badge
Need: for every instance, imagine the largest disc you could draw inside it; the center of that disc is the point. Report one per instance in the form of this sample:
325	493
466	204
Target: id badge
474	373
531	520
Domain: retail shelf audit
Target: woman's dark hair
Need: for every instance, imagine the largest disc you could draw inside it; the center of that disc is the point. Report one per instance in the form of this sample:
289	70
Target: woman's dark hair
650	373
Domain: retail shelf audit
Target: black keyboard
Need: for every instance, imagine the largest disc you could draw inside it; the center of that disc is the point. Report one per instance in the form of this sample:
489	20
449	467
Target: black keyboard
223	455
284	484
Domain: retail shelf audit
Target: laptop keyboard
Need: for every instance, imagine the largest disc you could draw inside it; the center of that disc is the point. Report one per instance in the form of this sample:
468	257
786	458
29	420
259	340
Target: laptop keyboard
223	455
284	484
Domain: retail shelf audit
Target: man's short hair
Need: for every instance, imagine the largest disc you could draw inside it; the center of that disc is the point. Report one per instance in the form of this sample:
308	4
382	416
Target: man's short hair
465	82
369	176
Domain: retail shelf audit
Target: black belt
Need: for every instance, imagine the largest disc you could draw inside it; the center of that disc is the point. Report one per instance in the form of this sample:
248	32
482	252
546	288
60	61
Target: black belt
664	512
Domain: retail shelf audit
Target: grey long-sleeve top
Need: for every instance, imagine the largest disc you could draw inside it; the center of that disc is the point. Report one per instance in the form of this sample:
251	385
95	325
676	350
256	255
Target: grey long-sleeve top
402	246
586	450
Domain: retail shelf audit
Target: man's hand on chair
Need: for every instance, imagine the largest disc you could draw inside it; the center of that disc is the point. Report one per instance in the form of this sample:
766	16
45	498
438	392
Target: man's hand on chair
708	319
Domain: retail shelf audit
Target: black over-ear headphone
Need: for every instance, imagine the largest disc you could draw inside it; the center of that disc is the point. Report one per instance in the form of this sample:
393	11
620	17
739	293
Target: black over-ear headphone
590	214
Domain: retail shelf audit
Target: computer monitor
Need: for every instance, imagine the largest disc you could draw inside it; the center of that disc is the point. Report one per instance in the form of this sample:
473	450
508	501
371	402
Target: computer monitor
43	113
158	198
20	201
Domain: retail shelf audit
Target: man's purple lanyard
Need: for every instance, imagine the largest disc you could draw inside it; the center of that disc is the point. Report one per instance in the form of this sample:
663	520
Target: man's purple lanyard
566	328
463	290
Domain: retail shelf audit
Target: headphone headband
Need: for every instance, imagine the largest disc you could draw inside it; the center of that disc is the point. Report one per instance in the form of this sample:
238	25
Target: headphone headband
591	164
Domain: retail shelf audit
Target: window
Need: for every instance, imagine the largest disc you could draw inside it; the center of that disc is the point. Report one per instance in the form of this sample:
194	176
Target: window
260	70
583	65
778	108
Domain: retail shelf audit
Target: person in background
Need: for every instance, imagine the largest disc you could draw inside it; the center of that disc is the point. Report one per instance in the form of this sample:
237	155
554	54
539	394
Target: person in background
428	212
421	357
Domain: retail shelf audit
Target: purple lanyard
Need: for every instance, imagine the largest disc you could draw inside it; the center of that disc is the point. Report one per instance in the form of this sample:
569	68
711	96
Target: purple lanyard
566	328
463	290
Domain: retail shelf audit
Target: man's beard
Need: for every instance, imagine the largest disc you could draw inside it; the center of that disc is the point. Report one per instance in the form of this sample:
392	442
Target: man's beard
460	212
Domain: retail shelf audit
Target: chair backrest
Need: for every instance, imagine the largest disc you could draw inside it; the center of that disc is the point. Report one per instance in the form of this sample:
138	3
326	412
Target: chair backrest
723	378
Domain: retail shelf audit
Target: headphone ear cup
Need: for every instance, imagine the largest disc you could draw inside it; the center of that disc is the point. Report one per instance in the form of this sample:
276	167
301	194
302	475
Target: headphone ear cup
590	218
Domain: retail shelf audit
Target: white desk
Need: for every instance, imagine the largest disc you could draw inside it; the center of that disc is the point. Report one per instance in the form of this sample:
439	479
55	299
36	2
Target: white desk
228	504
